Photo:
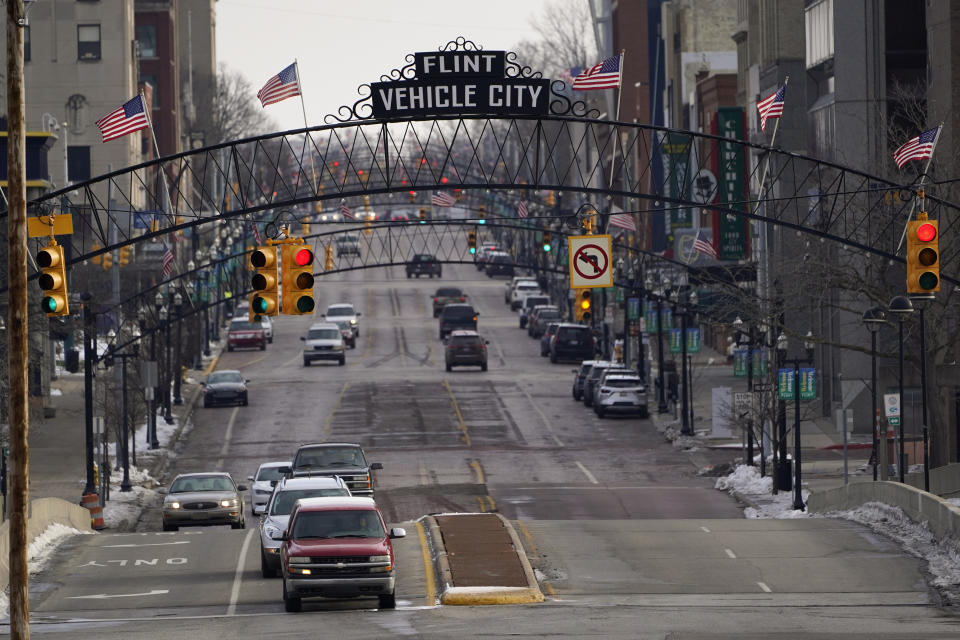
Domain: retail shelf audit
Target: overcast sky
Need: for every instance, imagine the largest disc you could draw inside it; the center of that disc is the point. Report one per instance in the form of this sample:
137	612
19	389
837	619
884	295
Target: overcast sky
341	45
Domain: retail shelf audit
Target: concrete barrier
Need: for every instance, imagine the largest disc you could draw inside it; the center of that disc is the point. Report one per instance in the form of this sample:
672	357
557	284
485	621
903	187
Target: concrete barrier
42	513
942	517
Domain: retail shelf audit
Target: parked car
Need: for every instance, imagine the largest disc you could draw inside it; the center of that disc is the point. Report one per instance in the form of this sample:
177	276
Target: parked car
447	295
579	375
243	334
547	337
457	316
262	483
323	342
202	499
466	348
337	548
621	393
523	289
276	514
617	368
267	323
529	304
424	264
534	312
225	386
348	245
572	342
544	318
346	330
599	366
498	263
344	311
342	459
512	284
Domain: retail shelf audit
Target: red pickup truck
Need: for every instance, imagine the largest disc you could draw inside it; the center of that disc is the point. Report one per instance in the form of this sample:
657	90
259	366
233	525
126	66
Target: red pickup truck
337	547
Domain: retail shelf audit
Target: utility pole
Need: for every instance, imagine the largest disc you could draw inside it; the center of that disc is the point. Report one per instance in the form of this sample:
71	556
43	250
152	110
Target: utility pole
17	358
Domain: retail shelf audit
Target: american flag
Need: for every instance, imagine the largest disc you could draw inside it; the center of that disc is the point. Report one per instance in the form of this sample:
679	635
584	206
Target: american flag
522	209
605	75
567	75
704	247
280	87
623	221
917	148
345	210
771	106
256	234
126	119
166	264
442	200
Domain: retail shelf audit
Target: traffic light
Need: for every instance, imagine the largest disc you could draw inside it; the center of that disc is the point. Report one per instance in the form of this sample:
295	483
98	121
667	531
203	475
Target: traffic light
413	196
95	259
297	272
472	241
53	280
107	260
423	216
547	241
482	213
328	259
124	258
264	301
549	199
923	255
582	310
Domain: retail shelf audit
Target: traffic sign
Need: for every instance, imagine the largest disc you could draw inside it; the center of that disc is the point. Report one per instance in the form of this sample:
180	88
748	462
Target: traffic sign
891	407
590	262
704	188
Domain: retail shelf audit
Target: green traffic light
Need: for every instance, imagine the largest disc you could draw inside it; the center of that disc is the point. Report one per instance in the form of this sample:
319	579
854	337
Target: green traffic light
49	304
259	305
305	304
546	247
928	280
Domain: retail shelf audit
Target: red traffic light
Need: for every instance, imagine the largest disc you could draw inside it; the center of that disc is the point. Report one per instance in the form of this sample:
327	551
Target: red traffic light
302	257
926	232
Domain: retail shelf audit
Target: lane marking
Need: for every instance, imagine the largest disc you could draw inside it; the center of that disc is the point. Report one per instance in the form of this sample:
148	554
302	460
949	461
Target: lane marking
586	472
253	362
528	537
478	470
765	587
336	407
543	417
705	529
456	409
226	437
422	470
493	505
104	596
238	574
431	587
731	553
482	506
149	544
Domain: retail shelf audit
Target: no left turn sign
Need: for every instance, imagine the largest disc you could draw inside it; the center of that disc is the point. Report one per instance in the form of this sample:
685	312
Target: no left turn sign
590	262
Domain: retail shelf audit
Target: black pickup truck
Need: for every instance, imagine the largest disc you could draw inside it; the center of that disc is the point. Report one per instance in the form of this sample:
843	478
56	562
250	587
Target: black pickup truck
423	264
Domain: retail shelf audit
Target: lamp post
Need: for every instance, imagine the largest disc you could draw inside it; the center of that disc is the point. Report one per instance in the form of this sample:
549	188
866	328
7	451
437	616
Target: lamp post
797	460
177	302
125	484
167	414
874	319
783	469
920	301
738	327
684	311
152	423
901	307
662	390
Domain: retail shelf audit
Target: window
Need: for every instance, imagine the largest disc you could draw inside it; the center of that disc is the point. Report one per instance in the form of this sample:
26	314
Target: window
26	43
88	42
819	32
78	163
147	39
152	81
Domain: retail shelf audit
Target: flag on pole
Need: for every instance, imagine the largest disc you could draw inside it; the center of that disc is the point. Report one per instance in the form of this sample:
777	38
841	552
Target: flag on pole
345	210
126	119
567	75
522	210
280	87
771	106
917	148
256	234
166	263
605	75
623	221
442	200
704	247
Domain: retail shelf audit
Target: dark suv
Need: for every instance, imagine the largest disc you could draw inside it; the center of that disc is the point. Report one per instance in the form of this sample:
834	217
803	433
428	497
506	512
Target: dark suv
423	264
572	342
466	348
457	316
342	459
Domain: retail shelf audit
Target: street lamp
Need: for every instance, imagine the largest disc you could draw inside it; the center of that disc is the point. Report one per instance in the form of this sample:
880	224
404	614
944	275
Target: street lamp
874	319
661	390
783	468
808	346
165	319
177	302
684	310
738	327
921	300
901	307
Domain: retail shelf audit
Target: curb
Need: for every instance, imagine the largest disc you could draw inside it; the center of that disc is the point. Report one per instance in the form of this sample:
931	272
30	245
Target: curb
493	595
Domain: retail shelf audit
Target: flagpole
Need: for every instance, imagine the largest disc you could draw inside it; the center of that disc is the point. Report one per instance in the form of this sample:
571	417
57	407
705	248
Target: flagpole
923	176
613	151
303	106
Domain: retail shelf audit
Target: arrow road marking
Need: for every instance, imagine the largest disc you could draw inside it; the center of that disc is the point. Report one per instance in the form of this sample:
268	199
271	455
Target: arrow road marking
149	544
104	596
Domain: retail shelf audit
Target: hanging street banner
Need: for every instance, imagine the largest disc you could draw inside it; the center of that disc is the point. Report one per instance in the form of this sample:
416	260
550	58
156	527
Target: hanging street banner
693	340
676	160
730	162
633	309
808	384
785	384
740	363
460	82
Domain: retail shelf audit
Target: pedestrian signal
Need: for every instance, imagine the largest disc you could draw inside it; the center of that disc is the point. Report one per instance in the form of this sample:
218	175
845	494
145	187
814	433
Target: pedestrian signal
265	300
53	280
923	255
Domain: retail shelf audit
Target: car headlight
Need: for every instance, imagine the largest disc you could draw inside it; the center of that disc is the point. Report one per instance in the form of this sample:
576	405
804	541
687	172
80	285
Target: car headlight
272	531
173	505
353	321
231	502
379	559
299	560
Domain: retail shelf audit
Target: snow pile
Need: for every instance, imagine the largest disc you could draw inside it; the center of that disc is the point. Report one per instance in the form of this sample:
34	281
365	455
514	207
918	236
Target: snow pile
745	483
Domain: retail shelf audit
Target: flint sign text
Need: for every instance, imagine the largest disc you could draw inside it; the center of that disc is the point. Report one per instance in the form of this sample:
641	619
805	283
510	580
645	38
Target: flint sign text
460	82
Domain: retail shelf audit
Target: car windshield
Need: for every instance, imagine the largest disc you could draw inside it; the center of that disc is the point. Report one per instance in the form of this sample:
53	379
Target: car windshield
465	340
548	314
201	483
323	457
244	325
451	311
448	293
266	474
219	377
338	524
323	334
283	500
340	311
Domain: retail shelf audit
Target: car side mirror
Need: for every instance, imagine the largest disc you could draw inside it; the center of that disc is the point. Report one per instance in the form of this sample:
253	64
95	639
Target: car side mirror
249	478
241	487
486	342
375	466
287	471
247	381
273	483
398	532
279	536
358	314
162	491
303	338
259	509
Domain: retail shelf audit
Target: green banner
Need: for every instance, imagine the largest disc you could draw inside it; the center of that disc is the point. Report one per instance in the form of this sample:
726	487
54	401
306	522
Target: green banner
740	363
808	384
785	384
676	160
732	185
693	340
674	340
633	308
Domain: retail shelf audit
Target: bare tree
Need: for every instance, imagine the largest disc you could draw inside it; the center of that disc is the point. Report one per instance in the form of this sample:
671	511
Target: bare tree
236	113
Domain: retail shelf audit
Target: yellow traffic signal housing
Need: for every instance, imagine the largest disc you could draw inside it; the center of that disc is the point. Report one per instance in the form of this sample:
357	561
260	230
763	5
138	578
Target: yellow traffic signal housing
297	274
423	215
547	241
124	257
472	241
107	260
53	280
482	213
923	255
95	259
328	259
549	199
265	300
582	306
